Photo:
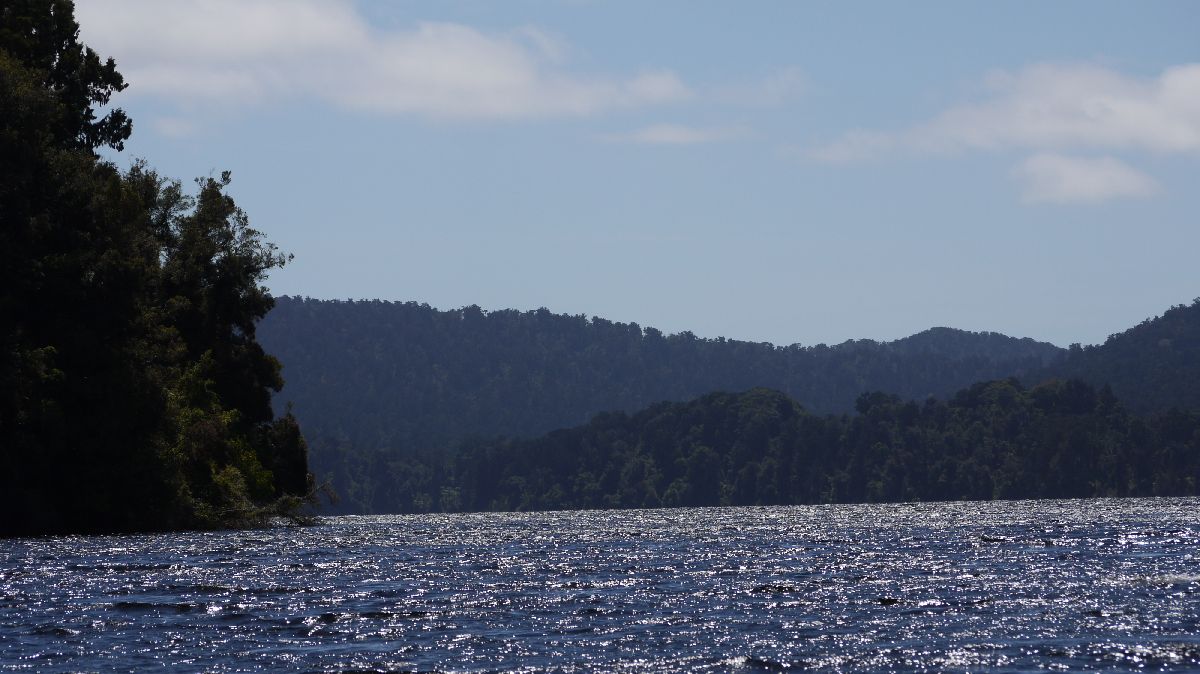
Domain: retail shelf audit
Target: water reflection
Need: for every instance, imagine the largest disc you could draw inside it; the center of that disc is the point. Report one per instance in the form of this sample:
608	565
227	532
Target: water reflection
1098	584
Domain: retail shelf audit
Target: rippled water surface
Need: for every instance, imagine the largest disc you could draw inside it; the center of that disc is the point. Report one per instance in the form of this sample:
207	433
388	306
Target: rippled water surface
1024	586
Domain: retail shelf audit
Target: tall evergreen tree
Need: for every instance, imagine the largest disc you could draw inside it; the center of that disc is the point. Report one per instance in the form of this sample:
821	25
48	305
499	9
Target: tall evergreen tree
132	392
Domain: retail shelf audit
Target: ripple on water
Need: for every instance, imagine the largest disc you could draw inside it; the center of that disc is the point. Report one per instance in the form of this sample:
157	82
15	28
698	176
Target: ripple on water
1102	585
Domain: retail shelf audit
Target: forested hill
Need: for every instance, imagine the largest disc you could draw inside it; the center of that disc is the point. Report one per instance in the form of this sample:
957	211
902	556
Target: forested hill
953	344
1152	366
406	376
990	441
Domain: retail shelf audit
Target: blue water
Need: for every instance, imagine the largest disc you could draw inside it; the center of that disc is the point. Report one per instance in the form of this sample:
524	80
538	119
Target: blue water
1002	587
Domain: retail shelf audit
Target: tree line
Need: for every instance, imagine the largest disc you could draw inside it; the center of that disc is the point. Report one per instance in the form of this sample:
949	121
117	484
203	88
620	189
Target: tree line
992	440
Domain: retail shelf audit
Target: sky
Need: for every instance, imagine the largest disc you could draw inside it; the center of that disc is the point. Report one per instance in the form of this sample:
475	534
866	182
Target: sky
790	172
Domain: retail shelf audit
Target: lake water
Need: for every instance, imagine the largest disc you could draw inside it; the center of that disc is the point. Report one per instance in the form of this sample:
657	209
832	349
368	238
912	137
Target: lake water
1002	587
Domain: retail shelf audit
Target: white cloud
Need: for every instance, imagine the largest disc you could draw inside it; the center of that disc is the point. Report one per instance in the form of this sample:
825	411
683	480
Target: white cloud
778	87
1054	178
232	52
553	47
1053	107
1050	108
678	134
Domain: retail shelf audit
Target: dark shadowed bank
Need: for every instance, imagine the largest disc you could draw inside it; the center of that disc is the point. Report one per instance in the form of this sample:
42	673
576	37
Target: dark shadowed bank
133	392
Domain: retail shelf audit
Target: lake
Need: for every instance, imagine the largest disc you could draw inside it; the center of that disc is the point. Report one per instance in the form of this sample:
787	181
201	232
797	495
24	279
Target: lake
999	587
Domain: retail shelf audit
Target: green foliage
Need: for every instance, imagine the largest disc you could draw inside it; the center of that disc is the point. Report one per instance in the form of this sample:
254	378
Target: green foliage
389	388
993	440
43	37
133	393
1153	366
375	382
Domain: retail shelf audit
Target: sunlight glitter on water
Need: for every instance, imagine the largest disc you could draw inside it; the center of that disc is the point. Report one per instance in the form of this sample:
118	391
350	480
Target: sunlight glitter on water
1016	586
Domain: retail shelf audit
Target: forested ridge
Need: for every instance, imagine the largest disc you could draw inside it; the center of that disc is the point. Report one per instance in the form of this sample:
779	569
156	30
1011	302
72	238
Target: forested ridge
379	378
1153	366
406	374
390	390
993	440
133	392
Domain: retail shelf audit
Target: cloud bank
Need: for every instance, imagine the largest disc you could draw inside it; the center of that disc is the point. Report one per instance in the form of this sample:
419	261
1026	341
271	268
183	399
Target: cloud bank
237	52
1051	108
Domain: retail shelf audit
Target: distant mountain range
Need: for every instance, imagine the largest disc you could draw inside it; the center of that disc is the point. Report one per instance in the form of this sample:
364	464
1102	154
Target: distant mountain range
380	387
405	374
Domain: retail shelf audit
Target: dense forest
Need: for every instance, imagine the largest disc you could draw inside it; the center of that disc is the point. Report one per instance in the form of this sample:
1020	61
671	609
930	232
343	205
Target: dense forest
134	394
993	440
374	376
1153	366
388	390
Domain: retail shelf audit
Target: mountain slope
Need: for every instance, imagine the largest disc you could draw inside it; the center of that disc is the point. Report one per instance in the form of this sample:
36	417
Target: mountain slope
377	383
392	374
1151	367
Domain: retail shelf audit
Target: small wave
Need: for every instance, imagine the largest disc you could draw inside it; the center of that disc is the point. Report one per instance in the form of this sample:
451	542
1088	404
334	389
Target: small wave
132	606
120	568
759	664
55	631
372	671
378	615
1172	579
1164	655
146	606
391	615
774	588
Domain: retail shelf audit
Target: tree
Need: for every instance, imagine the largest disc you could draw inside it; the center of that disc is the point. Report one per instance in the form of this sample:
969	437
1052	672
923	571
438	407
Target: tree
44	37
133	394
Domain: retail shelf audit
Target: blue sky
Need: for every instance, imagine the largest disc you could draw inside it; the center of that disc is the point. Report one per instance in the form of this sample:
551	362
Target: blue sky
785	172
